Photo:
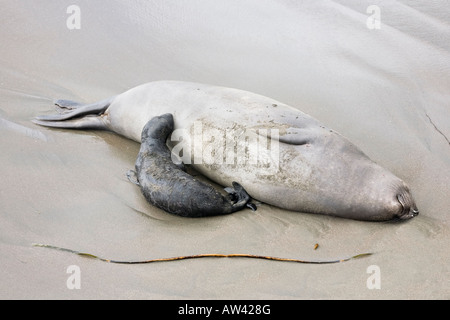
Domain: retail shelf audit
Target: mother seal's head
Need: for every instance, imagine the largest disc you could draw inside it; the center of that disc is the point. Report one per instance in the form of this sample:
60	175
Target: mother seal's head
334	177
372	193
394	202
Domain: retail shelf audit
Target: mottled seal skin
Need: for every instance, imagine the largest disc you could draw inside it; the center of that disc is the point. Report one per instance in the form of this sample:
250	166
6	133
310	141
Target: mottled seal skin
167	186
319	170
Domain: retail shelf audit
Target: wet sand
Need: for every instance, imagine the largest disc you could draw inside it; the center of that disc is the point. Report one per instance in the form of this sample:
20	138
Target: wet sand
387	90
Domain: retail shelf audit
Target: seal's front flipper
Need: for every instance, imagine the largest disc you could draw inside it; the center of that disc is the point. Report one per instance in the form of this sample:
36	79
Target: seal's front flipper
291	135
239	197
251	206
132	177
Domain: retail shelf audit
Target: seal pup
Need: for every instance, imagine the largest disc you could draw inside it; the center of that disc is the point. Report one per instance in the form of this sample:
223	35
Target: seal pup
316	170
167	186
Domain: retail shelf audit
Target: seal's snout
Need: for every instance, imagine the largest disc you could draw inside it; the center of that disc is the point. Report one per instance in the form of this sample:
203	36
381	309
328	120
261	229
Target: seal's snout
408	207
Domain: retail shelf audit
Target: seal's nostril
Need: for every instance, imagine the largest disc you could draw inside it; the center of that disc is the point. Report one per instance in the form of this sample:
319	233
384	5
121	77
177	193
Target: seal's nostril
409	209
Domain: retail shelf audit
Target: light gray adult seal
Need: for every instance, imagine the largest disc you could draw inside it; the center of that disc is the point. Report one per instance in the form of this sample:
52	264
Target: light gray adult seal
283	156
168	186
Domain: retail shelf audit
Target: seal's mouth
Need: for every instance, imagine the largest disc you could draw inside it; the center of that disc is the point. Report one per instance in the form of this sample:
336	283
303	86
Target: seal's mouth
409	209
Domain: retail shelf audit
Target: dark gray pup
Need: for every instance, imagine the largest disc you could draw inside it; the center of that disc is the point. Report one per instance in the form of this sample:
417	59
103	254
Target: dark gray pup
169	187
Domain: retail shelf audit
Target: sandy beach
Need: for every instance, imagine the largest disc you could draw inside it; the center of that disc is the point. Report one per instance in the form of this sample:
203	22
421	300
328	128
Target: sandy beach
377	72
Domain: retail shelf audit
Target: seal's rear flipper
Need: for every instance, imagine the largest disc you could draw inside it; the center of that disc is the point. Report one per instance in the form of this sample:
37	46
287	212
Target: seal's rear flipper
79	111
88	122
240	197
67	104
78	115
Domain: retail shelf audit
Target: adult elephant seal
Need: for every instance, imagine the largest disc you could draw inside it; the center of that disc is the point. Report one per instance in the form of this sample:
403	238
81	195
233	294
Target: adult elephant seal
167	186
283	156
